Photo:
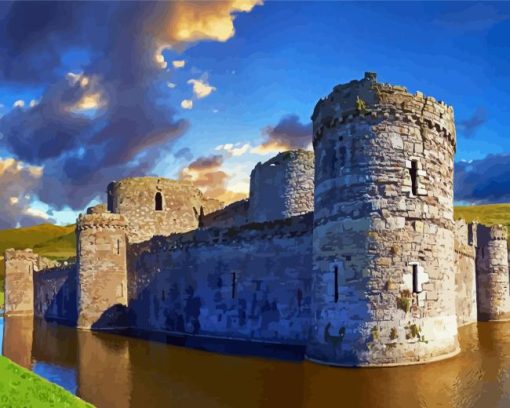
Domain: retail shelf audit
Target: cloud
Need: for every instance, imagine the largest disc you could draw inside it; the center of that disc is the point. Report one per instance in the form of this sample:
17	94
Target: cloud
184	153
111	119
20	103
235	150
16	179
483	181
208	175
201	88
471	125
289	133
179	63
475	17
186	104
171	85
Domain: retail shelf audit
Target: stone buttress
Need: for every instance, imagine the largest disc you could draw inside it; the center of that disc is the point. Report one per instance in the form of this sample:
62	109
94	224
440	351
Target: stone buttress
102	274
383	251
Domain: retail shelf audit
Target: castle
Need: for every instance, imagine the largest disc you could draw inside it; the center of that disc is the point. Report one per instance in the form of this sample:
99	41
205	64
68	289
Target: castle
350	252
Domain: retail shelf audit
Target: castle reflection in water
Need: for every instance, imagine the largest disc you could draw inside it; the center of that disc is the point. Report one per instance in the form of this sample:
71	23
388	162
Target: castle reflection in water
118	371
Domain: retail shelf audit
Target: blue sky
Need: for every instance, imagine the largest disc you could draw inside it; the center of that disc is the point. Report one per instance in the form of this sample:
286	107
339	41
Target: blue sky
281	59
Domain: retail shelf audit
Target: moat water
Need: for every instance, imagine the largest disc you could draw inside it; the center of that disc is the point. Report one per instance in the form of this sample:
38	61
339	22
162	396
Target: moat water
116	371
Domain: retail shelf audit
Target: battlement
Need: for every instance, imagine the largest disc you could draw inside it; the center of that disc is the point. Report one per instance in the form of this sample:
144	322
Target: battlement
491	233
371	101
101	220
21	255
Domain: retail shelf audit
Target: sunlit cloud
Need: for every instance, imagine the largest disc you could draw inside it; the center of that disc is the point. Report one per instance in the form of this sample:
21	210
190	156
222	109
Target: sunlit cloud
178	64
171	85
20	103
187	104
201	88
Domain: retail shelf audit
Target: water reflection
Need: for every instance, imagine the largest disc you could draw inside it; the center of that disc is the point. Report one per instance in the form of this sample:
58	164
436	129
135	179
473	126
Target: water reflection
116	371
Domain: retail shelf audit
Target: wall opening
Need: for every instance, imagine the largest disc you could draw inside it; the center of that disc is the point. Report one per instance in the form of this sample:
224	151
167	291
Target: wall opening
416	283
158	201
234	277
118	247
413	172
336	284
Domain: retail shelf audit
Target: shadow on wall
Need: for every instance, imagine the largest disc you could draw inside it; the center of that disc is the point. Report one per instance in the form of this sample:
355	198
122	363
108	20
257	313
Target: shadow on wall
115	318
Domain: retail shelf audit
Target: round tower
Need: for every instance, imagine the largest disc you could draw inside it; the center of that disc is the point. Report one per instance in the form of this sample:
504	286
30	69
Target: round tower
492	281
157	206
282	187
102	273
383	252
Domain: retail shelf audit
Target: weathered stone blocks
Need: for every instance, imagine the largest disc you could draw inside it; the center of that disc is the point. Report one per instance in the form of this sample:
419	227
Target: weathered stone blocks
102	273
492	274
19	281
383	278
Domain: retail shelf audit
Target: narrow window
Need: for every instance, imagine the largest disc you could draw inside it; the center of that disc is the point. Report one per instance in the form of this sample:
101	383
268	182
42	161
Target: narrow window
336	284
158	201
413	172
416	285
118	247
233	285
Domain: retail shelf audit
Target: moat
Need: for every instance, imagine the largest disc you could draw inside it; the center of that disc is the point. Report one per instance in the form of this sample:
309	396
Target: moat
117	371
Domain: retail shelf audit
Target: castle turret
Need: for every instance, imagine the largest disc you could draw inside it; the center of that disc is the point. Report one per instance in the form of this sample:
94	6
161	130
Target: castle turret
19	281
102	274
282	187
492	274
157	206
383	278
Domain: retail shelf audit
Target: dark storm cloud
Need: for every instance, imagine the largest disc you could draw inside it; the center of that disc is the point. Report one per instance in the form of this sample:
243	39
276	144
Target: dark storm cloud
469	126
289	133
483	181
83	152
184	153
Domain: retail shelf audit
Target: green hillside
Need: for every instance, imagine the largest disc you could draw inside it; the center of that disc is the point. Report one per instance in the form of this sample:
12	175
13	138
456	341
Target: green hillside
486	214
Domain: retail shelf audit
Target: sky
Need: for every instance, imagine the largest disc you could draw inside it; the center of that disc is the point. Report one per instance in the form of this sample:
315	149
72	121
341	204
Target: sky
92	92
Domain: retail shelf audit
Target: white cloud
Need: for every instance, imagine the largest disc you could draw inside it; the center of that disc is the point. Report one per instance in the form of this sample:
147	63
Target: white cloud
234	150
36	213
20	103
187	104
178	64
201	88
171	85
160	60
33	103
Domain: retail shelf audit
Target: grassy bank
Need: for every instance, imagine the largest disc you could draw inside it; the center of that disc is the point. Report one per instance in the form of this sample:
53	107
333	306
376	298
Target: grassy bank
22	388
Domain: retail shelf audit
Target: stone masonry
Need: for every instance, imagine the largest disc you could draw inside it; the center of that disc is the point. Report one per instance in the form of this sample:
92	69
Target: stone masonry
350	252
282	187
492	274
383	278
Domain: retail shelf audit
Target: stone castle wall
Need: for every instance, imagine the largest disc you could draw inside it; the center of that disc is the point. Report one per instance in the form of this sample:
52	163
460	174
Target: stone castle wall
232	215
101	270
135	199
282	187
384	279
19	278
250	283
55	294
465	272
492	273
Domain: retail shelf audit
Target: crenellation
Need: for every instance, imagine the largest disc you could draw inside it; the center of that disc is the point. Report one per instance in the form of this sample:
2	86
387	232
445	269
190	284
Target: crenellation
350	252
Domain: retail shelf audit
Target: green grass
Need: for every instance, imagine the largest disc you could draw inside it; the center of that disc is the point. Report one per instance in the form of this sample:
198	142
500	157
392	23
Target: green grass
486	214
22	388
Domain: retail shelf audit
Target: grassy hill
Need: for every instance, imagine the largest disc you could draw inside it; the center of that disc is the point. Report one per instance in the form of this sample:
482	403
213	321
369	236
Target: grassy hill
486	214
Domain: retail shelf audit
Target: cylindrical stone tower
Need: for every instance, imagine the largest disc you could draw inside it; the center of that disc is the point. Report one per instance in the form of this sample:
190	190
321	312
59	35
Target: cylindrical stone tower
282	187
102	274
383	251
492	280
158	206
